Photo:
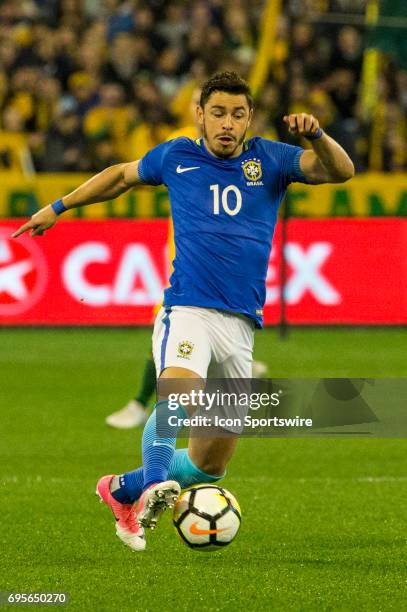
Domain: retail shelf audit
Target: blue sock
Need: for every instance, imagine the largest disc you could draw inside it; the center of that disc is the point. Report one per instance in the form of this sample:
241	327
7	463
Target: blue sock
158	442
181	469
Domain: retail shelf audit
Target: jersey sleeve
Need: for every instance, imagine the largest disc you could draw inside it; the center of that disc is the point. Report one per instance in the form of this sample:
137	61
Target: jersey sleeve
151	166
290	164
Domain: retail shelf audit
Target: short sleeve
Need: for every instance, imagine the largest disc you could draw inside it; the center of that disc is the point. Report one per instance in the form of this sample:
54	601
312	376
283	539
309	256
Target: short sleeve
151	166
290	164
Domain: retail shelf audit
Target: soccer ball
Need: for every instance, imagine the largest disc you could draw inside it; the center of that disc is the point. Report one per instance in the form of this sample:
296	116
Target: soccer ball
207	517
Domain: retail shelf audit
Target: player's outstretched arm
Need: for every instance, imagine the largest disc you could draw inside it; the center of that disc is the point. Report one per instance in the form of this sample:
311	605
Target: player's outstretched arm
106	185
327	162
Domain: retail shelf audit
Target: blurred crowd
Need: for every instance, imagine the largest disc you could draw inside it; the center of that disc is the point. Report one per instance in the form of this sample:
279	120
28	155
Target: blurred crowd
88	83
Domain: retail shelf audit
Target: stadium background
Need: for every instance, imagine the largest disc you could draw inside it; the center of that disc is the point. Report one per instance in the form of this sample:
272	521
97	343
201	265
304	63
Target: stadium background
88	84
84	84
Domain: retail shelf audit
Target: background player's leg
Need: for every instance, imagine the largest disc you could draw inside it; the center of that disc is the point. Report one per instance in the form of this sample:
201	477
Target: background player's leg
148	382
134	413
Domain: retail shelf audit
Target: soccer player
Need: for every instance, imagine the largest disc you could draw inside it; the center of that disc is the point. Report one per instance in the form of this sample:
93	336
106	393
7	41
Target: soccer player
225	192
134	413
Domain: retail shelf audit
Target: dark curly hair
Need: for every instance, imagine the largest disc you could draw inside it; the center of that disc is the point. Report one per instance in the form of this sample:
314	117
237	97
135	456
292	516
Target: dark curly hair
230	82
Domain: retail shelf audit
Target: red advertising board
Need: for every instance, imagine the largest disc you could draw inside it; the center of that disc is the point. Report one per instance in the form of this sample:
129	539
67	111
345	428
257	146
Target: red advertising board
351	271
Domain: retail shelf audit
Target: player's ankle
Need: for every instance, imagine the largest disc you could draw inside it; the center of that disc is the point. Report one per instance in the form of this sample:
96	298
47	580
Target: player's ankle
151	483
118	490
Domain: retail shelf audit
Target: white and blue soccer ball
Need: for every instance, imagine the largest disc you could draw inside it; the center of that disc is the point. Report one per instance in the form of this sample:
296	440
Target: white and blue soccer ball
207	517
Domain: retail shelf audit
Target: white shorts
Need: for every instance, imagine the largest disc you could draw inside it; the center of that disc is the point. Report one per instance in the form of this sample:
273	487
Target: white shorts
210	342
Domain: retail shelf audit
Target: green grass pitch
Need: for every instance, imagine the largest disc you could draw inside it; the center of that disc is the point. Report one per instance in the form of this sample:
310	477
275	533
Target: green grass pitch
323	519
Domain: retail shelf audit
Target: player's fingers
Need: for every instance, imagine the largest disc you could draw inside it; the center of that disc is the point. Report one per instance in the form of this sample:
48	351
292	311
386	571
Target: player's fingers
300	122
308	123
292	123
22	229
37	231
315	125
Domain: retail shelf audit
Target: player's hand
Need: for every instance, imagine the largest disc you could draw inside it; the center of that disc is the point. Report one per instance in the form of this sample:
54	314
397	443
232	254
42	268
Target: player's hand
302	124
41	221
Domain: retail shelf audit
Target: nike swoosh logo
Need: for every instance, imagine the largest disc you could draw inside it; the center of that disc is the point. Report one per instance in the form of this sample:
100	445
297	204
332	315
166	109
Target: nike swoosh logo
180	170
195	530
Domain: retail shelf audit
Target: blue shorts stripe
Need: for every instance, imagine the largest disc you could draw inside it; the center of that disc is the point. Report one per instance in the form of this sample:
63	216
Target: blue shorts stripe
166	322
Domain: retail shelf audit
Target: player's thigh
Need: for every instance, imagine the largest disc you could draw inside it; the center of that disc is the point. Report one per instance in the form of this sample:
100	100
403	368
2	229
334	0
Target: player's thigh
235	345
180	340
212	454
234	374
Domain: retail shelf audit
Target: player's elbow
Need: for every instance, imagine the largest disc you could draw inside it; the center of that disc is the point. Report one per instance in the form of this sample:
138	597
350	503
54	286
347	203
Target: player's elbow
345	173
349	172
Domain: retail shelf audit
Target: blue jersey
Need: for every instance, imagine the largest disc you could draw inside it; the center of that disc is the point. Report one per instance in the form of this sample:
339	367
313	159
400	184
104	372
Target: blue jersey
224	213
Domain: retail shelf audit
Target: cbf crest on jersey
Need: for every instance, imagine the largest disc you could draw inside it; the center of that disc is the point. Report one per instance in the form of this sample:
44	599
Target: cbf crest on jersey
185	349
253	171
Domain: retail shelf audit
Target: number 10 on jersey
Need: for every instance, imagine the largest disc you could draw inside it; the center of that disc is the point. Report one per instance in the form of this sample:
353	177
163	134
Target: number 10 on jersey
225	196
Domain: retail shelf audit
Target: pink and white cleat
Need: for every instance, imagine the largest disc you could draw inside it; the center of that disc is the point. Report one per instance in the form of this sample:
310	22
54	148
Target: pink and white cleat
155	500
127	527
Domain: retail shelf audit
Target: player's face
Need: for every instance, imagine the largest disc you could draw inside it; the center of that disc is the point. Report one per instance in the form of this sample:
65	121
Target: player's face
224	122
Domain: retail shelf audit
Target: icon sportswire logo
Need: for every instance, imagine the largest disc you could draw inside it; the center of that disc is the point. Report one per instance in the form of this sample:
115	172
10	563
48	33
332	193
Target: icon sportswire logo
180	170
